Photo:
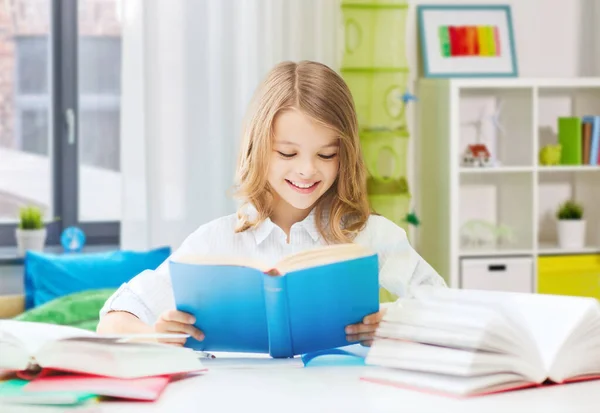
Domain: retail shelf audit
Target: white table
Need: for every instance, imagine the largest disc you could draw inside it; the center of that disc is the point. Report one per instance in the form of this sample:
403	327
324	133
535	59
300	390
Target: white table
281	389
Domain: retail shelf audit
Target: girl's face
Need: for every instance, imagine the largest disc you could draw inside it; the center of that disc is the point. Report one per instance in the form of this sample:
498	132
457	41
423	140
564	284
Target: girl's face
305	159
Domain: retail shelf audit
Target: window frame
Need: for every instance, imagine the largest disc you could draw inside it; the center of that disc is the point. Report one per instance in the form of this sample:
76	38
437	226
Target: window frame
64	95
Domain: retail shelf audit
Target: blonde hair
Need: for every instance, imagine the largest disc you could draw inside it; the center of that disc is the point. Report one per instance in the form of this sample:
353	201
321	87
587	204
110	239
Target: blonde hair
320	93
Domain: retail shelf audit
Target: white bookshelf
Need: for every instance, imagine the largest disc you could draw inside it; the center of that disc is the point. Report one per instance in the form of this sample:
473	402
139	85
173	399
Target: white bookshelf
517	193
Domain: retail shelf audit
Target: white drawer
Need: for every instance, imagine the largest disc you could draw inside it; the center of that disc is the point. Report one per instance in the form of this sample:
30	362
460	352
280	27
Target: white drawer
499	274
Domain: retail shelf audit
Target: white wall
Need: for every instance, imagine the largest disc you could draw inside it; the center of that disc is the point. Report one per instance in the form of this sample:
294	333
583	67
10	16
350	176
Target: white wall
553	38
549	34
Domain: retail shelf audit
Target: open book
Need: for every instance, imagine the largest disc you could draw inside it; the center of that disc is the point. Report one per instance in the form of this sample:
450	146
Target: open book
299	305
32	347
468	342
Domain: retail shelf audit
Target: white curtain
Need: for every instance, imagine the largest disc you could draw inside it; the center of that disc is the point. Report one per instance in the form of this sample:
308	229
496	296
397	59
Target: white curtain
189	70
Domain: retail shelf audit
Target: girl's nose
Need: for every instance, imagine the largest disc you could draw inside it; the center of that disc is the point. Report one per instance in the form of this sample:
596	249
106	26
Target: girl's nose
307	169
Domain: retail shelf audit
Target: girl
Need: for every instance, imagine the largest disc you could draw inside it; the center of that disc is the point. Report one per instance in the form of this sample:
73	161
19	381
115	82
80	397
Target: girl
302	182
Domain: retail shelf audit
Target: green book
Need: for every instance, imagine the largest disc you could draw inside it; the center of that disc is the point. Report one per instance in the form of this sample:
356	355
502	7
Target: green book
569	137
12	392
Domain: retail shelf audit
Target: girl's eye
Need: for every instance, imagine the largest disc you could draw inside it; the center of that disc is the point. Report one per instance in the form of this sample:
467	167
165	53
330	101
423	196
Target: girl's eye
328	156
286	155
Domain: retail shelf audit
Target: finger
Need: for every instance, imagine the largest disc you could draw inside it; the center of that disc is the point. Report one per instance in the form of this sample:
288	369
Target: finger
361	328
173	343
367	343
178	328
178	341
353	338
178	316
374	318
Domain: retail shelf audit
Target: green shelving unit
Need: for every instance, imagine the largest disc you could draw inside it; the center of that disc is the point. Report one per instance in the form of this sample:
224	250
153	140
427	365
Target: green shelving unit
375	67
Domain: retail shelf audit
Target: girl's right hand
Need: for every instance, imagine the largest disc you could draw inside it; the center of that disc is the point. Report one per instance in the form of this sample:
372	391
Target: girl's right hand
178	322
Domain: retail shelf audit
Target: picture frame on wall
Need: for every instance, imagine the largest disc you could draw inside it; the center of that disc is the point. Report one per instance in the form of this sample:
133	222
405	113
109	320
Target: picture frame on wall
467	41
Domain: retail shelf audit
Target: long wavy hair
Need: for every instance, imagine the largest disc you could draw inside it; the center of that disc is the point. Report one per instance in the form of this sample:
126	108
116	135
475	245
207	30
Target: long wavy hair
320	93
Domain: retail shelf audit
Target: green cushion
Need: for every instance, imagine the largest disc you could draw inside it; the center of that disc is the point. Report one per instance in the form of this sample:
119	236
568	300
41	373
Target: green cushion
78	309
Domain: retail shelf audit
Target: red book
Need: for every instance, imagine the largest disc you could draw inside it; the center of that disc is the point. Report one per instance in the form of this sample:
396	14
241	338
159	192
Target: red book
146	388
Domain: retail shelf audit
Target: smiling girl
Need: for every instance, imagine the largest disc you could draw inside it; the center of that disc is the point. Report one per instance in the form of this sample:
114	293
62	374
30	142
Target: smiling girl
302	182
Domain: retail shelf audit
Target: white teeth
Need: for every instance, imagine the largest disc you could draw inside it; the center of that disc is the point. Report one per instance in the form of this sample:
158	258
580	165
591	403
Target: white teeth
300	185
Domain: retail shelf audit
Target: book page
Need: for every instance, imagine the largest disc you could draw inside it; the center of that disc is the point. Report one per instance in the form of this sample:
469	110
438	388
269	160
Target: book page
322	256
548	319
228	260
551	320
33	336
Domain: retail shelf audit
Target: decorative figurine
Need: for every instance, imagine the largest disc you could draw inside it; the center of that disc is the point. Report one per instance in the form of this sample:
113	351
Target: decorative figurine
72	239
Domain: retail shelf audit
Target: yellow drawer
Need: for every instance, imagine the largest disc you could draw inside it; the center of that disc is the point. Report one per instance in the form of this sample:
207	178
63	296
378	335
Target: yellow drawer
577	275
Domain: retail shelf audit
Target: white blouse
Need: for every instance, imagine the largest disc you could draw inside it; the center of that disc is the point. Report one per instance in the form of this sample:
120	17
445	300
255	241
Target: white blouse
401	268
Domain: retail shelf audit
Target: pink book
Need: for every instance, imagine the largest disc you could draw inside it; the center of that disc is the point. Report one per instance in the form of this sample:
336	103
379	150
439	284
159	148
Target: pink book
145	389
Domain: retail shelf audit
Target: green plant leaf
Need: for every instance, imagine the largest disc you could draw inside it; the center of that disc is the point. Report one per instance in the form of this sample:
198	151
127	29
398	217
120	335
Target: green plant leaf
30	218
570	210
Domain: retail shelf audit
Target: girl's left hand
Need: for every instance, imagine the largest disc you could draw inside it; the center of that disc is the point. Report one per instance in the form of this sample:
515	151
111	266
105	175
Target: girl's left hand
365	331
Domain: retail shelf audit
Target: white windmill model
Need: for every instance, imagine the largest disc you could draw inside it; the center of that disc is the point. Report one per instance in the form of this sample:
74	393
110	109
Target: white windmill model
483	156
497	129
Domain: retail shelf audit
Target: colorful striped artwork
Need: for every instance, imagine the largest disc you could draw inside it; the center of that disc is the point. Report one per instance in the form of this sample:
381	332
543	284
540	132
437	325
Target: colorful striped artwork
478	41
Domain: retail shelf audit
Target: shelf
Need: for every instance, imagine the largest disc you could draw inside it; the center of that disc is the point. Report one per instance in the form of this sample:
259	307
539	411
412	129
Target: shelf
519	169
494	252
495	170
520	82
569	168
502	120
553	249
507	209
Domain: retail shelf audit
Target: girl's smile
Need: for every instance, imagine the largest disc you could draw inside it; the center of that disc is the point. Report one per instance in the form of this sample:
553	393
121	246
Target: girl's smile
303	188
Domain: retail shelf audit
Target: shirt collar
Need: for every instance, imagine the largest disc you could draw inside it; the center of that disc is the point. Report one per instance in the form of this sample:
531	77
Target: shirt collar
266	227
310	225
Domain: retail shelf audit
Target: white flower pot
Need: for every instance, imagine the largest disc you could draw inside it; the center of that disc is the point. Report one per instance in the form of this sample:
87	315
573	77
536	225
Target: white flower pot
30	239
571	233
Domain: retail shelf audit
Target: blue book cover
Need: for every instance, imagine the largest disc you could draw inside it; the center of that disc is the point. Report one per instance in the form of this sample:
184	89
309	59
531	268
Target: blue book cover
595	141
301	305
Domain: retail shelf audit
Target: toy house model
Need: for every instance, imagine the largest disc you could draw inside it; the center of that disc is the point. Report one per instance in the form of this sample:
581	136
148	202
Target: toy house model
476	155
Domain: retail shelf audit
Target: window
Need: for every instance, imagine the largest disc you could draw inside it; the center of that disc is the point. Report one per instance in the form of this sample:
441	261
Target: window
60	60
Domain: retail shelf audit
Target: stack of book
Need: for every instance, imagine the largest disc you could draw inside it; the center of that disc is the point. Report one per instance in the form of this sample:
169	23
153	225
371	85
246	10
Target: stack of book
467	342
45	364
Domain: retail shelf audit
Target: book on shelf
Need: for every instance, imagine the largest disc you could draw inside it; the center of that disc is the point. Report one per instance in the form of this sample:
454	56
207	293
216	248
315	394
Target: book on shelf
468	342
579	138
299	305
591	140
34	348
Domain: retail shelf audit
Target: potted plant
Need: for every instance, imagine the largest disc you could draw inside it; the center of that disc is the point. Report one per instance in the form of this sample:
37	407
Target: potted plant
31	232
571	226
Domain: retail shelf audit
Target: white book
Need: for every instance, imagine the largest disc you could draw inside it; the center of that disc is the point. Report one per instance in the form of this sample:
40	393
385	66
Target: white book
31	347
468	342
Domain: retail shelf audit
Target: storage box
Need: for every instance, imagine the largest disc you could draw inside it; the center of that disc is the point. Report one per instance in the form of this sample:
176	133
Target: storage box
394	207
377	96
577	275
514	274
385	154
374	34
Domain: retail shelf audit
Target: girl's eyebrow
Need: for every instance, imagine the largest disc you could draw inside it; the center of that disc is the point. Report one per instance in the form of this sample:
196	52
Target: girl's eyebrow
332	144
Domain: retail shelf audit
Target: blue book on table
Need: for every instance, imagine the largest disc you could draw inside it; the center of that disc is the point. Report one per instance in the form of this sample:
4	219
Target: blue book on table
301	305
